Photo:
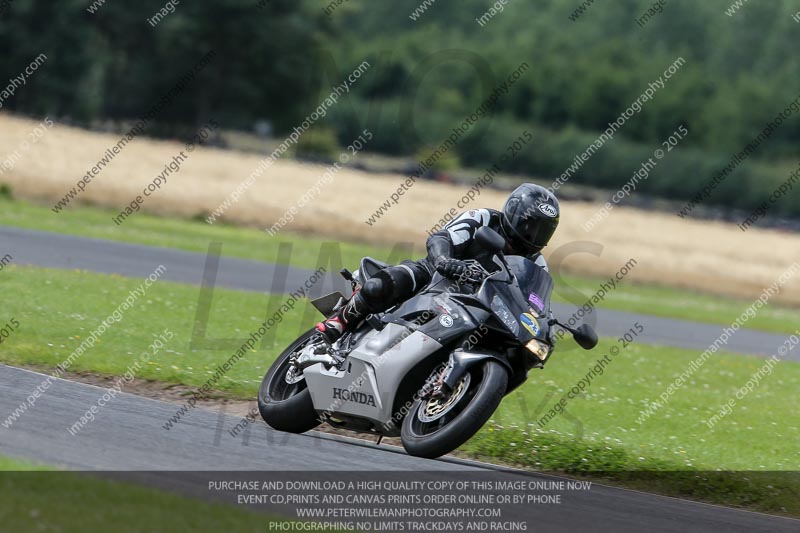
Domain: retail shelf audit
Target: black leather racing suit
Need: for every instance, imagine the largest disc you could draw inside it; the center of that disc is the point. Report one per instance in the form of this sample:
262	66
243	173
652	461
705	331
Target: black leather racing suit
456	240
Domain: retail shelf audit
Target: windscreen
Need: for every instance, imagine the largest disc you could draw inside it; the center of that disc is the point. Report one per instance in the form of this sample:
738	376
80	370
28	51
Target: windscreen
534	282
523	305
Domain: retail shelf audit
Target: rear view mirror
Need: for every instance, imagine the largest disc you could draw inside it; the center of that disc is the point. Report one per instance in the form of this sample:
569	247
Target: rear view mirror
585	336
490	240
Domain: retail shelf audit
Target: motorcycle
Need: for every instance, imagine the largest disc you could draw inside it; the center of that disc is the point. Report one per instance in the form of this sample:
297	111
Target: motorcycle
432	369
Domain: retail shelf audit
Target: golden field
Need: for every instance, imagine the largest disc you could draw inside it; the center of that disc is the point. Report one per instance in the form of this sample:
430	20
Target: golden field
707	256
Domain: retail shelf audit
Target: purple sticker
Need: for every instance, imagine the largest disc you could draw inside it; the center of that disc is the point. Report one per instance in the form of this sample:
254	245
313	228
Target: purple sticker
536	301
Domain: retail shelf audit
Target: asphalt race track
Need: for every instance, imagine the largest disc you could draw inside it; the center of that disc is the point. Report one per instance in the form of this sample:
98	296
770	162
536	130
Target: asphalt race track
69	252
127	434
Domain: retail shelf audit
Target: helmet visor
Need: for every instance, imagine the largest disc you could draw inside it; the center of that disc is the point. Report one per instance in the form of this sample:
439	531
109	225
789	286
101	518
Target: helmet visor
534	233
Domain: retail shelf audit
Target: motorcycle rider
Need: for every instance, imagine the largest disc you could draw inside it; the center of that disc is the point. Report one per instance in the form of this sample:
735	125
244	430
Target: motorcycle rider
528	220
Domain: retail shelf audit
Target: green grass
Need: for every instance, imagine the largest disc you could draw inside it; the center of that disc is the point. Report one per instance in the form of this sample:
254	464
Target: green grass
677	303
750	458
12	464
74	502
56	309
676	434
248	243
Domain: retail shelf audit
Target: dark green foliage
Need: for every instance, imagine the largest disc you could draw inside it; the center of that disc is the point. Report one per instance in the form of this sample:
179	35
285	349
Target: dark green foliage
318	143
278	59
114	64
740	72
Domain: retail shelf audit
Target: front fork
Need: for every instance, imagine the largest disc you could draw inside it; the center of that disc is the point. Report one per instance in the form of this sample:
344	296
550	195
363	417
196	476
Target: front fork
437	387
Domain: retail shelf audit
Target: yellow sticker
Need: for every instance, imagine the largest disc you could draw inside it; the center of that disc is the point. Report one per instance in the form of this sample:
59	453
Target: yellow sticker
530	323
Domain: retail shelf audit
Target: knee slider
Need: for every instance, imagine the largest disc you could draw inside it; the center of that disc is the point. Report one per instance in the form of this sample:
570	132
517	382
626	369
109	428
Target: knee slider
376	289
388	287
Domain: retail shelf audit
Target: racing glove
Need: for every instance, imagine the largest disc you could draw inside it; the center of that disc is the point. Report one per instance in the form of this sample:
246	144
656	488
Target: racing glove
450	268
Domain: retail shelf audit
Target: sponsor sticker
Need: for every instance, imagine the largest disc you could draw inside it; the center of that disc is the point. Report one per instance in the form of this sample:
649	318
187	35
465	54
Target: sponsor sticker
548	210
536	302
446	320
529	322
443	305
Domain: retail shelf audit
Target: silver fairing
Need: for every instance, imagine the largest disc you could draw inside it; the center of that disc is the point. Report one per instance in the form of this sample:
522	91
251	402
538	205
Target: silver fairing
368	383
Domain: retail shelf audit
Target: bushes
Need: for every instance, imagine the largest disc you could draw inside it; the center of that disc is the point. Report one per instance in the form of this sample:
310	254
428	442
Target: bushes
318	143
679	175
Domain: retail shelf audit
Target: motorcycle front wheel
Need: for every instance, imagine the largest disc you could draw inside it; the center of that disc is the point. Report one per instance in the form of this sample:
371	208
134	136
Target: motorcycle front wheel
435	427
284	400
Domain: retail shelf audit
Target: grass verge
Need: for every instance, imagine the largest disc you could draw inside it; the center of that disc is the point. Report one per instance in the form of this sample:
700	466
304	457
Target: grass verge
73	502
247	243
12	464
596	432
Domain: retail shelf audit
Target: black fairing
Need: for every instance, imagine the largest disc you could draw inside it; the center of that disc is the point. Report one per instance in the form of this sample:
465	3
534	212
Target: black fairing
425	311
500	305
528	294
508	302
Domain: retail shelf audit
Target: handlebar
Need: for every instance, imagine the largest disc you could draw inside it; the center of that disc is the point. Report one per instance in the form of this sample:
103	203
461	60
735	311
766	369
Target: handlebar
474	274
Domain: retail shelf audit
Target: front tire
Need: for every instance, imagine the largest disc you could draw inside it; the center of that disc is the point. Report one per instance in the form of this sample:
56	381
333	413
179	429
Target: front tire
287	406
430	434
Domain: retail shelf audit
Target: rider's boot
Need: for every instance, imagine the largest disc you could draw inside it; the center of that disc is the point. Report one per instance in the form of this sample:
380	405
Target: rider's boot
353	312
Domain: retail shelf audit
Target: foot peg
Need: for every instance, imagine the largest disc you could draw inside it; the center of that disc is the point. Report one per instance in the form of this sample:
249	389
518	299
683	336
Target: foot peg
312	355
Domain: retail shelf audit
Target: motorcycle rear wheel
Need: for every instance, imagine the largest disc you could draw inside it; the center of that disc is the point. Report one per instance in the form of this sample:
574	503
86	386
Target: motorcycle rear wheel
283	405
431	432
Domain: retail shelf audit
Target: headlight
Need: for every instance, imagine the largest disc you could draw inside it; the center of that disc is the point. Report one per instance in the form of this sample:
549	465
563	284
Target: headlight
539	349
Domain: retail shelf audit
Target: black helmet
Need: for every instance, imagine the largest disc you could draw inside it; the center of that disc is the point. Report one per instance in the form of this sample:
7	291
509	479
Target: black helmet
530	217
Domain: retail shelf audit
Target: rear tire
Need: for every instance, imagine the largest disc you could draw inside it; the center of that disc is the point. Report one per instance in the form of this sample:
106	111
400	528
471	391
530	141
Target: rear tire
287	406
486	388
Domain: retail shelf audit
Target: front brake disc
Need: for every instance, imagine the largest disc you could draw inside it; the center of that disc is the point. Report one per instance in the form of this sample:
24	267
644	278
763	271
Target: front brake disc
435	408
